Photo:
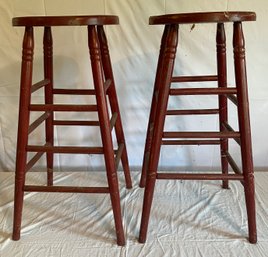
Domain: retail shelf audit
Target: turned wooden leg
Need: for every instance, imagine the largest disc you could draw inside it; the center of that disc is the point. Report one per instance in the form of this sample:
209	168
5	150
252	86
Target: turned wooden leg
106	136
169	53
158	80
244	127
108	73
48	74
222	82
23	124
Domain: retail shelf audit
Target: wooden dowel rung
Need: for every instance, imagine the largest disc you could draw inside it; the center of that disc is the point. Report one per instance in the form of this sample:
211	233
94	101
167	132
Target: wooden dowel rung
234	166
63	108
107	84
76	123
192	112
66	189
195	78
199	176
39	85
191	142
113	120
233	99
65	149
230	129
59	91
202	91
38	122
201	134
34	160
118	155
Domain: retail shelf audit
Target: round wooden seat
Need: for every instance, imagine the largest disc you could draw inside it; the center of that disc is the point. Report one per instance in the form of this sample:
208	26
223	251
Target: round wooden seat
202	17
65	20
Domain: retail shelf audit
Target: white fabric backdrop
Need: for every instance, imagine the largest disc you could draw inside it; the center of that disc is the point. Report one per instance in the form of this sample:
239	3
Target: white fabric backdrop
134	47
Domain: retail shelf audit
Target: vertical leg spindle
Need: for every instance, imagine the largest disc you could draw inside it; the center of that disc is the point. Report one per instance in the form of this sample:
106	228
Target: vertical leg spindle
23	125
169	53
222	82
244	127
95	55
48	74
148	142
108	73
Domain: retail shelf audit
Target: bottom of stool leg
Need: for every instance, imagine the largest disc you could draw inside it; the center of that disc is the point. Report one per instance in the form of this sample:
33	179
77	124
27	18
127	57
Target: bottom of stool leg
121	241
253	239
16	236
142	239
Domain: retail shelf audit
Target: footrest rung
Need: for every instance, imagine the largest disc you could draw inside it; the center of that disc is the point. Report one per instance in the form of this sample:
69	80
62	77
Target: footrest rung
76	123
191	142
201	134
66	91
39	85
233	99
34	160
202	91
195	78
65	149
119	154
63	108
230	129
38	122
65	189
199	176
193	112
107	84
113	120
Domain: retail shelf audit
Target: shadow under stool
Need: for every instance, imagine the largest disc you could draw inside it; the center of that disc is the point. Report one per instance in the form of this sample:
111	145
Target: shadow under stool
238	95
106	107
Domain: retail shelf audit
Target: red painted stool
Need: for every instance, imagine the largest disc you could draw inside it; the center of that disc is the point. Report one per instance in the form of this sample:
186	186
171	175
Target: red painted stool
156	136
103	87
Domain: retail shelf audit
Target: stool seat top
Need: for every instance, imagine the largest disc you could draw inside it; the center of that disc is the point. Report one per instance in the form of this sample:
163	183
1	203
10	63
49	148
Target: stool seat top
65	20
202	17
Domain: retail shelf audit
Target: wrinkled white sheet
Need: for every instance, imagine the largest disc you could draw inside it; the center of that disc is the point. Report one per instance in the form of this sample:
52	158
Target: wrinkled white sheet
188	219
134	48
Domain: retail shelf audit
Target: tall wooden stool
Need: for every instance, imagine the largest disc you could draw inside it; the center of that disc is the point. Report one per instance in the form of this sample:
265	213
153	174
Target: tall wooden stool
103	87
238	95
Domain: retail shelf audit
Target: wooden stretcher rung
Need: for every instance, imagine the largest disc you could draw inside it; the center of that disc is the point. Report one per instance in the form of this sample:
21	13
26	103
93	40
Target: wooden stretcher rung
191	142
193	112
233	99
233	164
119	154
63	91
107	84
65	189
76	123
202	91
201	134
195	78
38	122
39	85
230	129
34	160
199	176
113	120
65	149
63	108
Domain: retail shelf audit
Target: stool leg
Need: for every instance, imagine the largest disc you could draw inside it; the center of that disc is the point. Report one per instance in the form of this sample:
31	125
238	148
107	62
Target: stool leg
244	127
169	54
158	80
108	73
48	74
95	55
222	82
23	124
